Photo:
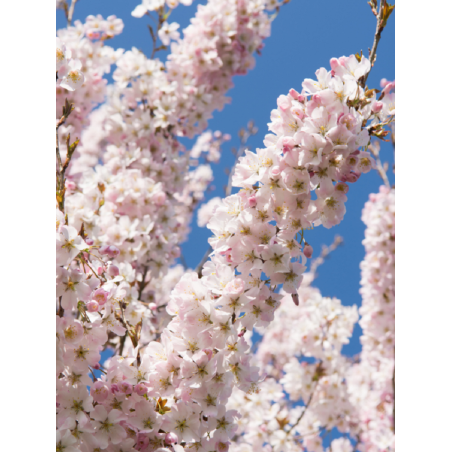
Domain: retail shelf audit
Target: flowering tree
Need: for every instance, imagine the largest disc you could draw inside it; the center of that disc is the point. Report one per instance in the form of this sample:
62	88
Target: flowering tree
182	374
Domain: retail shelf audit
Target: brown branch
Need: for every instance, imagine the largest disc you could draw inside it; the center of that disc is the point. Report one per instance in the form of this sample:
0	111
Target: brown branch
203	261
374	148
71	13
382	19
326	251
304	411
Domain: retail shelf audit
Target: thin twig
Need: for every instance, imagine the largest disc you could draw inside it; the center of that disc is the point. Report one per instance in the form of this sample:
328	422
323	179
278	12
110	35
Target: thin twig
382	17
203	261
71	13
374	148
326	251
304	411
143	283
393	399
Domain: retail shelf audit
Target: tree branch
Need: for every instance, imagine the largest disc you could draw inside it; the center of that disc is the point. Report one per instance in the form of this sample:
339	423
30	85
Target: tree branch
382	19
71	13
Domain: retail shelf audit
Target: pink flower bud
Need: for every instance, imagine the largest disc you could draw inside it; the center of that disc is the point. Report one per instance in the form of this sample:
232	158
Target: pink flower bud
99	391
103	250
293	93
307	251
140	389
96	366
142	441
351	177
275	171
126	388
334	63
100	270
114	388
70	185
92	306
112	251
170	438
377	106
295	299
252	201
301	98
89	241
113	270
242	332
383	82
152	306
100	295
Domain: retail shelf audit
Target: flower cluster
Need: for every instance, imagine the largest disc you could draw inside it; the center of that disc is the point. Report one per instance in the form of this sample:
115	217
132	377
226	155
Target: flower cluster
91	59
126	196
147	6
219	43
371	381
301	353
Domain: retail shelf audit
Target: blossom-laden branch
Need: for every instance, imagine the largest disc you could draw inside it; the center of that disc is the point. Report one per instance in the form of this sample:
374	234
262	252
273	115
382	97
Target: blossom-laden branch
62	167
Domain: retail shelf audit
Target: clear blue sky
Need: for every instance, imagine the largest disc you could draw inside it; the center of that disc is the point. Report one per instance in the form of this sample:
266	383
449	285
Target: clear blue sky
305	35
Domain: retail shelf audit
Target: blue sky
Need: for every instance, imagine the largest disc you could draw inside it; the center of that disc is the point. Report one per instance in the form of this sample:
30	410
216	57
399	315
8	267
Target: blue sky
305	35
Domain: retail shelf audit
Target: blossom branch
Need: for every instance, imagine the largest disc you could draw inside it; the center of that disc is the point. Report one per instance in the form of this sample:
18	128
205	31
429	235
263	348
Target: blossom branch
374	148
306	406
382	19
326	251
70	13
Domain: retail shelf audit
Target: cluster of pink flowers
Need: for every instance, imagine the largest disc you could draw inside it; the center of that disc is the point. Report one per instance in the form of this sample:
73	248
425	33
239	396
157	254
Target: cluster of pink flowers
301	354
113	277
90	57
371	381
130	192
219	43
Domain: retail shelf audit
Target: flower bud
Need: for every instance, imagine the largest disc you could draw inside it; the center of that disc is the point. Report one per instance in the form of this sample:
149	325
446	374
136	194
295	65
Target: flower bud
112	251
89	241
114	388
142	441
293	93
377	106
252	201
113	270
275	171
307	251
295	299
170	438
103	250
